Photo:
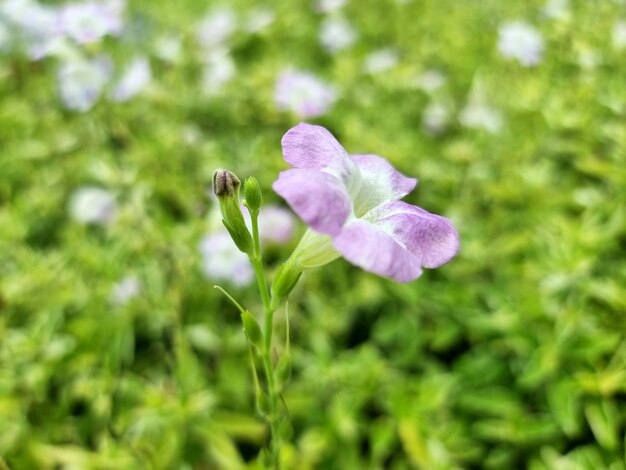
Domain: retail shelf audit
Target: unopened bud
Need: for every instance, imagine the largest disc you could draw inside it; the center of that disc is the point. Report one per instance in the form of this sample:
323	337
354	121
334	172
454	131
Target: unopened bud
253	329
252	194
226	188
286	279
225	183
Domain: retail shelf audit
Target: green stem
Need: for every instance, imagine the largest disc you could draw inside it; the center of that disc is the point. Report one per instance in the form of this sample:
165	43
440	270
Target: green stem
257	262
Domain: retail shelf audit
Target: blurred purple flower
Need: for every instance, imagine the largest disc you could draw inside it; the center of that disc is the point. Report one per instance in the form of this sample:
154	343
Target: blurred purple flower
90	22
222	260
32	26
303	94
519	40
276	224
136	77
352	202
81	82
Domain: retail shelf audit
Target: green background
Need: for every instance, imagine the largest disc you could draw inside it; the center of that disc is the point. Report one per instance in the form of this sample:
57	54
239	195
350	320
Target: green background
511	356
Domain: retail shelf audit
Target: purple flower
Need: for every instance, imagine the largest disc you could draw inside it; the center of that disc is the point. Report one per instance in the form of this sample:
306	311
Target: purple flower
351	203
303	94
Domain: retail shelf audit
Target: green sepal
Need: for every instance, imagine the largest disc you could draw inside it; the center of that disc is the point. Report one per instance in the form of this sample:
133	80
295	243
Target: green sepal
285	429
286	279
226	188
263	404
253	329
283	369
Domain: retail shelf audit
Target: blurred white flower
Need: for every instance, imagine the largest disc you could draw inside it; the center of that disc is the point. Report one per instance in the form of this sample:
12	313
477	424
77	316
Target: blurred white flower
259	19
191	135
89	22
381	60
303	94
222	260
81	82
520	41
125	290
136	77
478	115
219	69
92	205
328	6
168	48
431	80
216	27
436	117
35	26
619	34
5	36
336	34
556	9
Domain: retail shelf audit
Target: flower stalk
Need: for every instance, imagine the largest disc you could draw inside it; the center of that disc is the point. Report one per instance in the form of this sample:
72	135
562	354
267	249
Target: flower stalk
268	366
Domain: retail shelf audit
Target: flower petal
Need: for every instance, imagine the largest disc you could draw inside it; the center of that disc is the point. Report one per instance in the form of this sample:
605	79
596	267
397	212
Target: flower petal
313	147
380	183
319	198
368	246
431	238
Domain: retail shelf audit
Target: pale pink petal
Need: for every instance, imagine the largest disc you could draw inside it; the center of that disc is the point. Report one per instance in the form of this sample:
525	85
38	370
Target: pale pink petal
313	147
368	246
430	238
319	198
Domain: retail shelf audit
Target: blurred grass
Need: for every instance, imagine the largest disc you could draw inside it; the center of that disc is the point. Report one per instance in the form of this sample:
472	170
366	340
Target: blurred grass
511	356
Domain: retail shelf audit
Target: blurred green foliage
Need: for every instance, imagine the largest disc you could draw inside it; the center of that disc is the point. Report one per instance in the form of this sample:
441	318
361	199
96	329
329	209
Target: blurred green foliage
512	356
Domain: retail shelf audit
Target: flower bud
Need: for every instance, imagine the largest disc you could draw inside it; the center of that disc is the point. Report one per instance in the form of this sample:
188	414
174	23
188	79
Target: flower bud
226	188
225	183
286	279
252	194
253	329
